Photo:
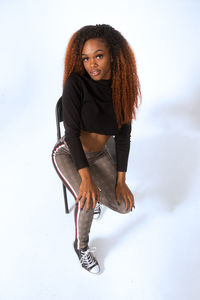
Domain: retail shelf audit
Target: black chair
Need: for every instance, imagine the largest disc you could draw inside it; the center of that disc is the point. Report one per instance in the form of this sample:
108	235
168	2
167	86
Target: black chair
59	118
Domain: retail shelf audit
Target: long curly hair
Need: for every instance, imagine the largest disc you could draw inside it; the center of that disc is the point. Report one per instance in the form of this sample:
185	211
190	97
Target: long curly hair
125	82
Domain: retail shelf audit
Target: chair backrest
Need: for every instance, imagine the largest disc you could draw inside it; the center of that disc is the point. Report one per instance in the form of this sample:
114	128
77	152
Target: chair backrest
59	116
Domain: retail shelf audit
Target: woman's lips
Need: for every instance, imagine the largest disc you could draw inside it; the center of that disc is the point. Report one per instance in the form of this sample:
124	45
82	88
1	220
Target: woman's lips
95	72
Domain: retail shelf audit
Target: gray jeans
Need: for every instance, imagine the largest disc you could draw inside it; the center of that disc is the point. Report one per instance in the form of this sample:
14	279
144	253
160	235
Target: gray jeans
103	171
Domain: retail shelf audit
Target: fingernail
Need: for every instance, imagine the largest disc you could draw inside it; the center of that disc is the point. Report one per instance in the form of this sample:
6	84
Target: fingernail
81	208
118	203
134	206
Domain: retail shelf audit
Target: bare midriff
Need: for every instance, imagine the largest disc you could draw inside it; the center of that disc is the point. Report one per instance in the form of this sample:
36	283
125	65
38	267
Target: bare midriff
93	142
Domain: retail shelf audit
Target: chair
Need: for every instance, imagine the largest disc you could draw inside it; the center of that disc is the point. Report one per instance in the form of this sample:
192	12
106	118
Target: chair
59	118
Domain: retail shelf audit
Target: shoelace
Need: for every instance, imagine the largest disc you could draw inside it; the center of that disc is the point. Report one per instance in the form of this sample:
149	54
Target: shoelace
87	258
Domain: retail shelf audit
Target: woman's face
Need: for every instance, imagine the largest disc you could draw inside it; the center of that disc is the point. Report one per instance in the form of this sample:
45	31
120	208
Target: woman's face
97	59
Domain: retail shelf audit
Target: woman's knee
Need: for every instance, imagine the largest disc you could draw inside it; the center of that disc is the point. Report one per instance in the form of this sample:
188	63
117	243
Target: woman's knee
119	207
122	208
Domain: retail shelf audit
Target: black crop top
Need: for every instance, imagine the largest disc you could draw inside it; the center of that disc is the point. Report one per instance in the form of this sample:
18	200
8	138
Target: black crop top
87	104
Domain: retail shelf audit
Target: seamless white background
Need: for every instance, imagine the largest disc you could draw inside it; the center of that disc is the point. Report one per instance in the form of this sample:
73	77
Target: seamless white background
150	254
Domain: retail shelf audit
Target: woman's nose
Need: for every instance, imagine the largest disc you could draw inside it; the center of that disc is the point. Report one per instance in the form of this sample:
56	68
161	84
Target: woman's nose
93	63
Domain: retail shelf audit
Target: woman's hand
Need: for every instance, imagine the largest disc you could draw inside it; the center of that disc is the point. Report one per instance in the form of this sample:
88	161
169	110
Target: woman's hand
123	190
88	193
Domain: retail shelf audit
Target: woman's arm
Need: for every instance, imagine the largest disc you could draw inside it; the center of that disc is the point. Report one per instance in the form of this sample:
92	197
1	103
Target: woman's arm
123	190
122	140
71	108
122	147
89	192
71	105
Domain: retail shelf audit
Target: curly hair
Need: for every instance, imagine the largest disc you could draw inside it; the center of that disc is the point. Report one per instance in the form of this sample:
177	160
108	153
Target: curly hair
125	82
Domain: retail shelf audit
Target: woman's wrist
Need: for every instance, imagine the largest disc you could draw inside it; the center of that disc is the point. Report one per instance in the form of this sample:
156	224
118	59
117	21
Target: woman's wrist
121	177
85	174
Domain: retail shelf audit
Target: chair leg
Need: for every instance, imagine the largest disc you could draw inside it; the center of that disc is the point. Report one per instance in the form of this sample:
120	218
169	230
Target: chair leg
65	199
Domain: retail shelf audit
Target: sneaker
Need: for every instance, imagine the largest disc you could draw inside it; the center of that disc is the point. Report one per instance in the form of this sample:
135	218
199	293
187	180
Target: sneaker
97	211
87	260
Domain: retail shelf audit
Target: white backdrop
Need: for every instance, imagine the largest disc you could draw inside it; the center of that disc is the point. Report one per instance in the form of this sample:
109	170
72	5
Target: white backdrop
152	253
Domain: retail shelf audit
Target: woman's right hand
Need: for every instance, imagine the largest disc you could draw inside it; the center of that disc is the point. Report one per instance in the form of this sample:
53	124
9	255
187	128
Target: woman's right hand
88	193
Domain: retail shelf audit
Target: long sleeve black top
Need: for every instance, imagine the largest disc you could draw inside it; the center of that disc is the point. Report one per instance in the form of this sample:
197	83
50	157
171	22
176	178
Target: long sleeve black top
87	104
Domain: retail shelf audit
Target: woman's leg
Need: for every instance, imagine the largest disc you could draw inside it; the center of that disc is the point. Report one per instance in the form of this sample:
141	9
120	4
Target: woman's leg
66	170
104	174
103	171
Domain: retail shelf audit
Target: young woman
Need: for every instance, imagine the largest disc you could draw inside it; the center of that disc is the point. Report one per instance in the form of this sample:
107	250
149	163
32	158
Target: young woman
100	97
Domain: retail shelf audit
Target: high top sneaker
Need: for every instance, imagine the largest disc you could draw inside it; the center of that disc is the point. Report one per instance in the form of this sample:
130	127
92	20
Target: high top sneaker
97	211
87	260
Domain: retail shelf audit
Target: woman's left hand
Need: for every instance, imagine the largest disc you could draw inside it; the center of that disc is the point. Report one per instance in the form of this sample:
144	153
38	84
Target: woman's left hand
123	190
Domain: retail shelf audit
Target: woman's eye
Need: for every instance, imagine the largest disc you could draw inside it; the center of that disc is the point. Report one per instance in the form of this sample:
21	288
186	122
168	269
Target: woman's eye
99	56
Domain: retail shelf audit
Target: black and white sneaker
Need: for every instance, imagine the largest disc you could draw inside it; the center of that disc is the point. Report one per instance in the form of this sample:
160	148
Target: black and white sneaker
87	260
97	211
